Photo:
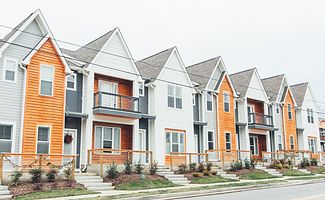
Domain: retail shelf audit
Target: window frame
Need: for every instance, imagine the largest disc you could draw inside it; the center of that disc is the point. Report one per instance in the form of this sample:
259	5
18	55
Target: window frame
207	100
141	87
290	116
175	96
13	131
5	67
49	137
213	139
310	115
225	93
310	139
170	132
292	142
280	141
74	83
229	142
255	145
113	138
194	99
40	80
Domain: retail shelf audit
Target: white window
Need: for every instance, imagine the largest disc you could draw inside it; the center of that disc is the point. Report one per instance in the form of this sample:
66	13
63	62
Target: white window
175	99
46	80
72	82
210	140
141	88
10	70
193	99
312	144
310	115
107	137
109	90
226	102
43	139
6	136
175	141
289	111
250	111
228	141
280	145
209	101
253	145
292	143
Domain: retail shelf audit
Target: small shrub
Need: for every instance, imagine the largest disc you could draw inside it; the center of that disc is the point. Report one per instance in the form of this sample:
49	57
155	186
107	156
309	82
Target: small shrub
196	175
286	166
200	168
128	167
192	167
206	173
15	177
235	166
51	175
153	168
36	175
247	163
139	168
182	168
68	173
214	173
253	162
313	162
278	166
304	163
112	171
209	166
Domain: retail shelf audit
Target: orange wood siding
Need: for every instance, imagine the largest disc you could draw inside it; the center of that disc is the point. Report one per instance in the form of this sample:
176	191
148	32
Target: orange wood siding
226	120
44	110
290	125
126	143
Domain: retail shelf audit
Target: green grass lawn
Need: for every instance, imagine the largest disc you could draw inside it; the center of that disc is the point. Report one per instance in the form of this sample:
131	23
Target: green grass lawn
145	184
210	179
293	172
256	175
55	193
306	178
319	171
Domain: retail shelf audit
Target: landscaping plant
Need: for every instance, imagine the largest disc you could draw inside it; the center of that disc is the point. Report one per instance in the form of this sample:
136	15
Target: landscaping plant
214	173
15	177
196	175
112	171
206	173
153	168
192	167
128	167
209	167
235	166
51	175
36	175
247	163
313	162
68	173
305	163
182	168
200	168
139	168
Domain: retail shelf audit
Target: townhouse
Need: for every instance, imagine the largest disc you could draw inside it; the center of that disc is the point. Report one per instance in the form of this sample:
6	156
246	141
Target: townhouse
282	109
322	134
213	108
307	114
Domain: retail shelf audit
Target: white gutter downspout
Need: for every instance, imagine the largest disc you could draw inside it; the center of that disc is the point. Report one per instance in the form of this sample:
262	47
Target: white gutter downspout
24	68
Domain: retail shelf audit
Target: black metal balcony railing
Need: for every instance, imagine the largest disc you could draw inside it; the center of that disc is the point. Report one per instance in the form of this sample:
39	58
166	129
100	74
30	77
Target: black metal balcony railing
260	119
116	102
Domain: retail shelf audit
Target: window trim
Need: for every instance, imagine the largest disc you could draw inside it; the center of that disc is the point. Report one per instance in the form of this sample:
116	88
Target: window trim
280	141
40	80
315	144
211	93
179	132
194	99
227	142
213	139
226	93
141	83
257	145
113	133
50	134
175	97
75	82
5	59
13	133
291	136
290	116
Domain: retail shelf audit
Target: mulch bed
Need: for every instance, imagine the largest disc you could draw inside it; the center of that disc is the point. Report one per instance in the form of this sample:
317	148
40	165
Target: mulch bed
27	187
315	168
243	171
126	178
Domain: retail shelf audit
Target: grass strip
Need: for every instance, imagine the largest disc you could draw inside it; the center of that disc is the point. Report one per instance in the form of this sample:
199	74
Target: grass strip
210	180
256	175
145	184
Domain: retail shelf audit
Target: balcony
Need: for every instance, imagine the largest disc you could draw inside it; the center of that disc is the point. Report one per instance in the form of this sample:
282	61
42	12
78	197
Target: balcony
260	121
117	105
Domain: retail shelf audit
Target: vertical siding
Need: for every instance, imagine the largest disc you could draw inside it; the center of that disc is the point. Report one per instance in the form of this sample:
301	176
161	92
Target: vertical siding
12	93
74	98
290	125
41	110
143	102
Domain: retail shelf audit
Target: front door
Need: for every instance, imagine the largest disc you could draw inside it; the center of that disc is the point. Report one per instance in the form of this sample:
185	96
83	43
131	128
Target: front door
70	144
142	146
109	89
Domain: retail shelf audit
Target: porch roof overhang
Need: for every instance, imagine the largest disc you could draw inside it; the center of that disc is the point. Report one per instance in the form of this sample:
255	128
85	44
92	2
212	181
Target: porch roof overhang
300	129
262	127
147	116
241	124
76	114
200	123
117	112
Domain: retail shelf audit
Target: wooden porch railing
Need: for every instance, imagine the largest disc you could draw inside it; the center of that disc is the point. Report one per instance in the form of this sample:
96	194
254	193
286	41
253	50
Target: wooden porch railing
41	161
229	155
185	155
115	152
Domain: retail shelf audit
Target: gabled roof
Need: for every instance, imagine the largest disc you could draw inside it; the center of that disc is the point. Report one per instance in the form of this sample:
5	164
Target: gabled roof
151	66
201	72
241	80
272	86
88	52
299	92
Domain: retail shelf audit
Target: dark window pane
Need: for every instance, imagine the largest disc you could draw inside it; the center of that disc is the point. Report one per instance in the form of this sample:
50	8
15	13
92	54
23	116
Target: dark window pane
228	146
211	146
70	84
179	103
46	88
5	146
210	136
5	132
10	75
209	105
43	148
43	134
171	102
226	107
107	144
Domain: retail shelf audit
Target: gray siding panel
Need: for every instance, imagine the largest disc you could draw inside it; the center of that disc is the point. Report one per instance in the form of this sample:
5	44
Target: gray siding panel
75	123
143	102
12	93
196	108
74	98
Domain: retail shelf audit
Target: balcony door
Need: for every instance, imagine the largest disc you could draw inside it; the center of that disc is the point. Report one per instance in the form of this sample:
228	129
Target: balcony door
250	110
110	90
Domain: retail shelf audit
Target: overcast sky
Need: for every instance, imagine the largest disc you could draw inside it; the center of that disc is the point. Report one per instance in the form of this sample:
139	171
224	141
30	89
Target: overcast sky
276	36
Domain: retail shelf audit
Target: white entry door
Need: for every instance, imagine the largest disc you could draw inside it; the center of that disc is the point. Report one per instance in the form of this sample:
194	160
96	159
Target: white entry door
109	100
69	148
142	146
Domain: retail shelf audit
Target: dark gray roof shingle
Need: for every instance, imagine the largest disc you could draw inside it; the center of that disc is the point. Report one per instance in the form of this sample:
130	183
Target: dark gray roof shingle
241	81
299	92
272	86
201	72
151	66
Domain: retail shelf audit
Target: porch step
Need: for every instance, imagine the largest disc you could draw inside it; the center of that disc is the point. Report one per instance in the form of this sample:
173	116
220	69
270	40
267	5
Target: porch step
4	193
5	197
272	172
165	173
223	174
304	171
178	179
93	182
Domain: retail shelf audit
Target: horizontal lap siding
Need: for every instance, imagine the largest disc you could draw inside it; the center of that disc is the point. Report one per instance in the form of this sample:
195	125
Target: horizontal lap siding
290	125
126	143
41	110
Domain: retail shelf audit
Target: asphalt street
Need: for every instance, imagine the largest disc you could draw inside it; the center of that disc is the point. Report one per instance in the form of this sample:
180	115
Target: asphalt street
314	191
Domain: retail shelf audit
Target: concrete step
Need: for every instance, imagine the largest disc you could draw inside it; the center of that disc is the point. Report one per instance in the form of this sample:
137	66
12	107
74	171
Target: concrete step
96	184
181	182
86	174
90	181
163	170
3	187
4	192
165	173
5	197
174	176
88	177
100	188
177	179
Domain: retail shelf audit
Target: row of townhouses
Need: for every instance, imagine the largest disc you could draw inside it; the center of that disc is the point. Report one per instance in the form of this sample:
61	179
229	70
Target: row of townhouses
61	101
